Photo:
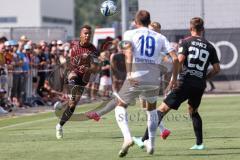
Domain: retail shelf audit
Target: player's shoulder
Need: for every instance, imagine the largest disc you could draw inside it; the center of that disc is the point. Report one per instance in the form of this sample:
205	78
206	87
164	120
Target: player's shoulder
207	42
74	43
187	39
93	46
203	40
129	33
137	30
210	46
161	36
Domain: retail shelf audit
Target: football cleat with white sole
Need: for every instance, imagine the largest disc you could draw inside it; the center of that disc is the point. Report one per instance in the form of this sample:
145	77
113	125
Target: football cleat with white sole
138	141
198	147
126	145
149	149
59	131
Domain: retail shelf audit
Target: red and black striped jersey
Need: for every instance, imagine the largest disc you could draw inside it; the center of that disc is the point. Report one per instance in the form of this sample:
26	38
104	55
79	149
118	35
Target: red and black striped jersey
80	55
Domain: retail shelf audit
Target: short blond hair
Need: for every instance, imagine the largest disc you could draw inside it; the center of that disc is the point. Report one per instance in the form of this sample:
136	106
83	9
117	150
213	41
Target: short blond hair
155	26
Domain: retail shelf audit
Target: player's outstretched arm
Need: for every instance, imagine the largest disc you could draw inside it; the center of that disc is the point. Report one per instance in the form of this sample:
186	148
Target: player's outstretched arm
127	51
175	62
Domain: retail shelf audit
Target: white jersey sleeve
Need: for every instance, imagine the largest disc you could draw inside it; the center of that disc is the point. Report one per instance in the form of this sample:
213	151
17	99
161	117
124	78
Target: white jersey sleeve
166	47
127	36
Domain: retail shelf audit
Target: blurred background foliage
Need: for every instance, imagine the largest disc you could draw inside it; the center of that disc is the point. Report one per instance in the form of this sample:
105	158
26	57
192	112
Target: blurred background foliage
88	12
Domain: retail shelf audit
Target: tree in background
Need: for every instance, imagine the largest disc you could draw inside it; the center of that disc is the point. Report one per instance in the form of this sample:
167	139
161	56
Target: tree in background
88	12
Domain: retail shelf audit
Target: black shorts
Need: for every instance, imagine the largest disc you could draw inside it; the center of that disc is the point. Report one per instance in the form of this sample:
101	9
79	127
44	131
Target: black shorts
182	93
79	81
75	86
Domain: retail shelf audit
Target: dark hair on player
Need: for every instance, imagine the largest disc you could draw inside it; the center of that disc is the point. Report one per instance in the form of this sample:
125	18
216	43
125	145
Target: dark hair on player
197	24
143	18
86	26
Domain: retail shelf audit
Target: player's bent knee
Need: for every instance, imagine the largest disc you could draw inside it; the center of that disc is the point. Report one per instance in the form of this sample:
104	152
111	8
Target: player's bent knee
72	103
120	103
192	110
72	75
151	100
164	107
148	102
151	106
142	103
77	98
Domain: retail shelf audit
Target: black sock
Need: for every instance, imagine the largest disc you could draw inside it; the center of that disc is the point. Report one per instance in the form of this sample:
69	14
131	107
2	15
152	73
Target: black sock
66	115
160	116
145	136
197	126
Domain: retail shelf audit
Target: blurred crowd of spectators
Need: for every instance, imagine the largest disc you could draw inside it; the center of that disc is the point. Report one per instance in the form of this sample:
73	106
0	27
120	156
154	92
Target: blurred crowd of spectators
33	73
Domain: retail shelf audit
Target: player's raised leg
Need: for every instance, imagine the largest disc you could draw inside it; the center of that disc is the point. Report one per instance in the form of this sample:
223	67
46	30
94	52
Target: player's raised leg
76	92
122	121
82	64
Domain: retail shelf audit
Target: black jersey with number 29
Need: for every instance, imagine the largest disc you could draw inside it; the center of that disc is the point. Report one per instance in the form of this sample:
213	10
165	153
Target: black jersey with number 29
199	54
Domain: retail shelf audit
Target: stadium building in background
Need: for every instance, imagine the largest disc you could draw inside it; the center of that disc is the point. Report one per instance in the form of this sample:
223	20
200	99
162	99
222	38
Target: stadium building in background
38	14
222	24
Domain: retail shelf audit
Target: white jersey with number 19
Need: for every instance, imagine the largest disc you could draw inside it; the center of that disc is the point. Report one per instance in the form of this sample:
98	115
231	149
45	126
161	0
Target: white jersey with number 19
149	47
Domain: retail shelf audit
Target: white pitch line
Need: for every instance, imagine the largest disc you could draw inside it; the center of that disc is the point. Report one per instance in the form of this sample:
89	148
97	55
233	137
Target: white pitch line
25	123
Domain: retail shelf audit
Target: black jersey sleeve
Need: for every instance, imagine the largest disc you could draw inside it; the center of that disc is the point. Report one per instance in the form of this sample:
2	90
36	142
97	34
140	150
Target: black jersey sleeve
214	58
183	48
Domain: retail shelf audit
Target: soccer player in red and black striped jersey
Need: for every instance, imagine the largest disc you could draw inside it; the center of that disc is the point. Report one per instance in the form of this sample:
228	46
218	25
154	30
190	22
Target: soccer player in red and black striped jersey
83	62
195	55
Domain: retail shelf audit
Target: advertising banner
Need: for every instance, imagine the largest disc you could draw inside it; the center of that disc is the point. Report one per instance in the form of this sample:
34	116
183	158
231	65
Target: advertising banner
227	44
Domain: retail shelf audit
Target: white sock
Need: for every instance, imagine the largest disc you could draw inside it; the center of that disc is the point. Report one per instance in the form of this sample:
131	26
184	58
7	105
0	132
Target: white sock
161	127
58	126
122	120
152	124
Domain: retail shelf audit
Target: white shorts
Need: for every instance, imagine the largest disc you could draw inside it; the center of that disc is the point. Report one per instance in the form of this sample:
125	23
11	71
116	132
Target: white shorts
128	93
148	99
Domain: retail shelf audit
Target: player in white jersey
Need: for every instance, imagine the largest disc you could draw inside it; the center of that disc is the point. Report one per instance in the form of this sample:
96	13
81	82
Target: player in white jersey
143	48
164	132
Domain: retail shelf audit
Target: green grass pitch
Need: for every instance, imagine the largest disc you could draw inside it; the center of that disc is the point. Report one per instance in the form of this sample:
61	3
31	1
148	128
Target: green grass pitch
33	137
